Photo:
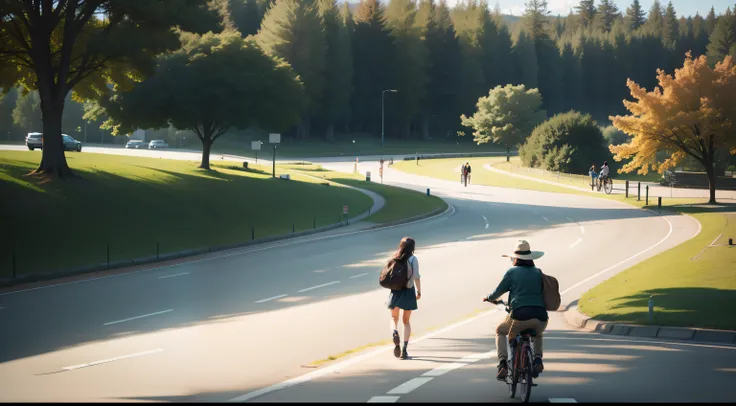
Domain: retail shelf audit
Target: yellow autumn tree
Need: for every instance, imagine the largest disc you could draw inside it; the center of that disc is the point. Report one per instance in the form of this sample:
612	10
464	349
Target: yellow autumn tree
692	112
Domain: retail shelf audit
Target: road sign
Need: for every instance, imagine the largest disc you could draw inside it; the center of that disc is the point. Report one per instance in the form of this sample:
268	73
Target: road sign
345	210
274	138
255	145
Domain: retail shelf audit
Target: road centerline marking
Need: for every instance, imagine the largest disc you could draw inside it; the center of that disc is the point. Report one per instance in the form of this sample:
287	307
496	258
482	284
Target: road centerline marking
268	299
485	219
409	386
578	241
105	361
318	286
358	276
439	371
138	317
171	276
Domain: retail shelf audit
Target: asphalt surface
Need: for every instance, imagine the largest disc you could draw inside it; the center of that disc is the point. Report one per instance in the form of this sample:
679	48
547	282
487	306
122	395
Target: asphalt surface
232	325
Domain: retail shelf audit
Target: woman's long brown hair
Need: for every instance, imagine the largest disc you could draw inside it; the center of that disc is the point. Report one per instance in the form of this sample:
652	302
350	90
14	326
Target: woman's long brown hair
405	250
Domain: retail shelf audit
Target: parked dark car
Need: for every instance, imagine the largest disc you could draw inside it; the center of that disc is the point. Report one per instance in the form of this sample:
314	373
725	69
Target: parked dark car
137	144
35	140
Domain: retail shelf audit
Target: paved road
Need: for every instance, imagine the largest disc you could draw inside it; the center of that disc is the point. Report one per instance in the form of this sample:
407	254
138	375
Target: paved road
230	324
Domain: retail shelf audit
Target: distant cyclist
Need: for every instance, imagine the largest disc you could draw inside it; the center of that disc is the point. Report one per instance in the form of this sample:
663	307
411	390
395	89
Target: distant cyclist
604	172
523	281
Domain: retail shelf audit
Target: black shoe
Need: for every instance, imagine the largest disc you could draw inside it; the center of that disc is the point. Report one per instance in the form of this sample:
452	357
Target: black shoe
397	345
404	354
503	370
537	366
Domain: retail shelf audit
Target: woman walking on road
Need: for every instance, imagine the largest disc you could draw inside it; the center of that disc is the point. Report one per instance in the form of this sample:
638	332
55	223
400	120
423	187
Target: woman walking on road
406	298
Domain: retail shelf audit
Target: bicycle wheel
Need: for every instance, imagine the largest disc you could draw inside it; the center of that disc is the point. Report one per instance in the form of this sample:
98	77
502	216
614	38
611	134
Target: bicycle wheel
525	374
513	377
608	186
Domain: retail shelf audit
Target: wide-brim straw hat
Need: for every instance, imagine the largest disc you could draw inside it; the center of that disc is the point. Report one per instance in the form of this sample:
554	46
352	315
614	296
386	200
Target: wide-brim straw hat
523	251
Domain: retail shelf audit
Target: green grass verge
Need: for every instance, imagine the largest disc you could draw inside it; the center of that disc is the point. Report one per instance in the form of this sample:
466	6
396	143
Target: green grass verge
363	145
130	204
445	169
693	284
399	203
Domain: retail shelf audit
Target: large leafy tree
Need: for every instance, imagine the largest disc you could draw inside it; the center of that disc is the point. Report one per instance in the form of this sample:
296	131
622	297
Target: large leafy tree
691	113
506	116
214	83
59	46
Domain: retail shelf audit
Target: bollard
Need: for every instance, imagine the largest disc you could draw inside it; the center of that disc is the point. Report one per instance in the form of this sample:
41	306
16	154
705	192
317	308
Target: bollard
638	191
651	308
427	191
730	242
659	202
647	198
157	249
108	257
627	189
14	262
252	233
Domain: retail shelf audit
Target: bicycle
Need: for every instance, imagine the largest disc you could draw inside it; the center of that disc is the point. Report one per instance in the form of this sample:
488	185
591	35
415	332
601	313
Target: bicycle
521	363
607	185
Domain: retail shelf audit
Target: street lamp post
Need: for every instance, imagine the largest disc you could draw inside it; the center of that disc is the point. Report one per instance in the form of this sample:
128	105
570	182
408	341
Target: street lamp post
383	120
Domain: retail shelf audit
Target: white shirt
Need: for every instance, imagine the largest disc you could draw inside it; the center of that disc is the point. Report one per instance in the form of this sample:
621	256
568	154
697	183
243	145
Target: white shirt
413	271
604	170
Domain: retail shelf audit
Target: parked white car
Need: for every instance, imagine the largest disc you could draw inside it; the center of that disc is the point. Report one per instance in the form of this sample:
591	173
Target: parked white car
156	144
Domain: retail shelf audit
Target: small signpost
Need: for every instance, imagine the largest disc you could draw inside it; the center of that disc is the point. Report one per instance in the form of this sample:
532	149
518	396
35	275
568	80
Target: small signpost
256	146
368	176
273	139
345	210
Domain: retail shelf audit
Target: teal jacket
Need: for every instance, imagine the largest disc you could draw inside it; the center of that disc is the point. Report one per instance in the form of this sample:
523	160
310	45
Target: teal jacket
525	286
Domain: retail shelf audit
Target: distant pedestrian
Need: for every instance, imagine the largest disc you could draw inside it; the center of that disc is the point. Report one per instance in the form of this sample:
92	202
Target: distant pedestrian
405	298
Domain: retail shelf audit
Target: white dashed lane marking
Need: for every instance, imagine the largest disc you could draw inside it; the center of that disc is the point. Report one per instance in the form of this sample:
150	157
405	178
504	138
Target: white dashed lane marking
409	386
271	298
138	317
318	286
383	399
562	400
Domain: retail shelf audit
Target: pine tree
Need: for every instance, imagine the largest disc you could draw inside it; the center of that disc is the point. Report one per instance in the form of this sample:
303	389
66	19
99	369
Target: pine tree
710	21
292	30
722	38
635	16
372	61
410	60
587	11
670	27
440	103
653	25
608	13
536	19
339	68
525	58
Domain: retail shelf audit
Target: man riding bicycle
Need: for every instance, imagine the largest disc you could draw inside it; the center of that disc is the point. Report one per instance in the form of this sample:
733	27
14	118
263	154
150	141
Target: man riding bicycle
523	281
604	173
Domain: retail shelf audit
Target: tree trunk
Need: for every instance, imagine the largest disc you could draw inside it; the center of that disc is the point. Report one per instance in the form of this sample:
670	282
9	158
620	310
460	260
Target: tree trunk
53	161
711	172
330	132
508	153
206	146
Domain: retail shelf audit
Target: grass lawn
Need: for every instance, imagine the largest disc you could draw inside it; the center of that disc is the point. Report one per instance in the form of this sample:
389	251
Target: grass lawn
445	169
693	285
363	145
131	203
400	203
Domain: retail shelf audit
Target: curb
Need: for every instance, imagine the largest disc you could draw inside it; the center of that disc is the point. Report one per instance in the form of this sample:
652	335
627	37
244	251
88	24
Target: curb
459	155
579	320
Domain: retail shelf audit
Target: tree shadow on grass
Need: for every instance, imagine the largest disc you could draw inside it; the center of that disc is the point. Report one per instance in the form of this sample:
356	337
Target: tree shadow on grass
680	307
